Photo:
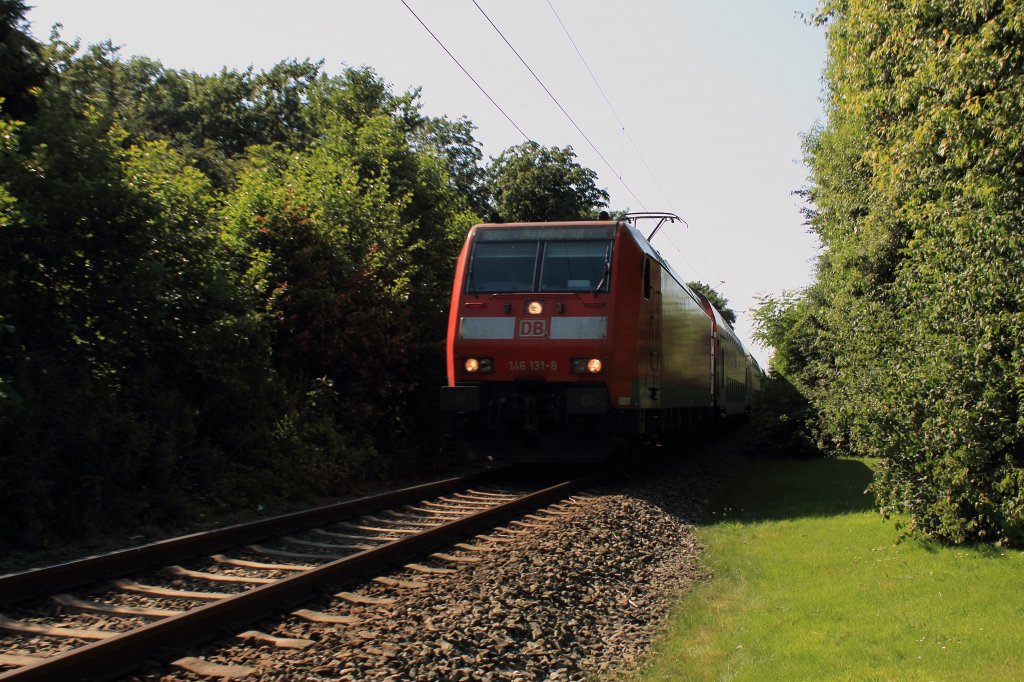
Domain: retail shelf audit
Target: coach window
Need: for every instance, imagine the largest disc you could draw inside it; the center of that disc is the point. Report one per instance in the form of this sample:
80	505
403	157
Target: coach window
576	266
502	267
647	279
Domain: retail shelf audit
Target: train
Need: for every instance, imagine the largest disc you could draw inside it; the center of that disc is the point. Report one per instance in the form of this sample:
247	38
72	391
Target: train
568	339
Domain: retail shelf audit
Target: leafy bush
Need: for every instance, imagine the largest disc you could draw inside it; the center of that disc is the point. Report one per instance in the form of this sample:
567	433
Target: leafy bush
201	312
918	350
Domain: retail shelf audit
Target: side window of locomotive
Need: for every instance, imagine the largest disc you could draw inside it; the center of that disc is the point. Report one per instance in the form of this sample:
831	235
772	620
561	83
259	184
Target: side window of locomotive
502	266
576	266
647	278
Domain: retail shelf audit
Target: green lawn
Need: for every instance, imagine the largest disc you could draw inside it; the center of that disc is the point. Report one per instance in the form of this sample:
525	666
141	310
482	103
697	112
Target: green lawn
809	584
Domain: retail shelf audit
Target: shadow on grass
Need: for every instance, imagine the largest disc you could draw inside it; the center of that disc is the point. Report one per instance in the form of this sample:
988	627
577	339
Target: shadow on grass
773	489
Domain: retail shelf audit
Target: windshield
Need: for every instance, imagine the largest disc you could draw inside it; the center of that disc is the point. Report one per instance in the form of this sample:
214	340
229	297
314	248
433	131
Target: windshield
503	266
498	267
574	266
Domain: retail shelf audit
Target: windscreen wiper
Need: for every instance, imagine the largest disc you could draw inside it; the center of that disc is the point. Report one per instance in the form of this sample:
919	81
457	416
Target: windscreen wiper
607	271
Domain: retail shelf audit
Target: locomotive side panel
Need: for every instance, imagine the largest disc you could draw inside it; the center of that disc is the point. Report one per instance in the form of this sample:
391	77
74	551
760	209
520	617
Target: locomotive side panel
732	393
647	366
630	337
687	349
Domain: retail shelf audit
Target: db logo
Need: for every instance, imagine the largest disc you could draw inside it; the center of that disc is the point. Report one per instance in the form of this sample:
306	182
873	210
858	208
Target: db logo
533	327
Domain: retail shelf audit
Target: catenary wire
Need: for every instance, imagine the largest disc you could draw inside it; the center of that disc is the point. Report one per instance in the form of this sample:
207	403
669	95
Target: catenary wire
636	148
468	74
611	108
559	105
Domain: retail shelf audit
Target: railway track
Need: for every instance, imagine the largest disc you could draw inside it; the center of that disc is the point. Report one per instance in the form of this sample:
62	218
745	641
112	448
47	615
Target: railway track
104	616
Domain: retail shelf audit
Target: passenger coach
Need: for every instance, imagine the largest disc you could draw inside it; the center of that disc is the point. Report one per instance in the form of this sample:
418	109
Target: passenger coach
569	329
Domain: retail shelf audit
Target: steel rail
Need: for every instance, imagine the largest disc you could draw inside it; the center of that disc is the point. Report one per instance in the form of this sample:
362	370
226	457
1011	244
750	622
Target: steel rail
25	585
125	652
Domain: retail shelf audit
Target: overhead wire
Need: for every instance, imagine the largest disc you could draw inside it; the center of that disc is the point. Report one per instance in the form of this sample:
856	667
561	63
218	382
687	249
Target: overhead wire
468	74
622	126
559	105
632	142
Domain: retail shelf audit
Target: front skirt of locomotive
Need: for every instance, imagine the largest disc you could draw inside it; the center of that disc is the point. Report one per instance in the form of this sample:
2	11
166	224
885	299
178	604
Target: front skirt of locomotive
524	421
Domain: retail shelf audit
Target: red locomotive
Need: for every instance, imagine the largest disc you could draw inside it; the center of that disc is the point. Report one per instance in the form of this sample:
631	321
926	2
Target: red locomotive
563	330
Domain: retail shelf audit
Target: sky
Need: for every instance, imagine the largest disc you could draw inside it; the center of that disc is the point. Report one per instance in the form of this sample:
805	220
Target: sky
698	106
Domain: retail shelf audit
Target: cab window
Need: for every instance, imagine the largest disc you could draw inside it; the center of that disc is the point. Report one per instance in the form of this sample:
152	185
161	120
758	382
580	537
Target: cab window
575	266
503	267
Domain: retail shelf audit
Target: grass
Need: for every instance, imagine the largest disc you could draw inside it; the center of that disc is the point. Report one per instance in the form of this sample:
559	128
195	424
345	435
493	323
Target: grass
811	584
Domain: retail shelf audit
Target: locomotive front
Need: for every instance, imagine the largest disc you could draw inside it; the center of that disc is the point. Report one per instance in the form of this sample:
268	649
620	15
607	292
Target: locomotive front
529	333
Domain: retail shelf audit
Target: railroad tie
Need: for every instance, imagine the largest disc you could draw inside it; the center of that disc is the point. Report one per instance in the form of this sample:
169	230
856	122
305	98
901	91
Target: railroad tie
292	540
216	577
496	492
132	586
523	524
346	536
402	584
420	568
329	618
483	497
436	513
474	548
20	660
422	516
288	554
415	523
221	559
436	508
372	529
467	503
279	642
25	628
206	668
75	604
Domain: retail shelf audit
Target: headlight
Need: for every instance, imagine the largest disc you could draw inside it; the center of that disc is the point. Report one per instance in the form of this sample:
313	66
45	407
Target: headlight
587	366
535	307
479	365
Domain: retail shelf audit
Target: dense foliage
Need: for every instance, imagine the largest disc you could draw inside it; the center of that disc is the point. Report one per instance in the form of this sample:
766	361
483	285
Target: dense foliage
222	290
910	346
534	183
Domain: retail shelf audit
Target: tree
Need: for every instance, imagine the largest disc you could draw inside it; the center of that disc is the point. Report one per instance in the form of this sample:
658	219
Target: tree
454	140
21	64
352	243
217	289
918	341
133	360
529	182
720	302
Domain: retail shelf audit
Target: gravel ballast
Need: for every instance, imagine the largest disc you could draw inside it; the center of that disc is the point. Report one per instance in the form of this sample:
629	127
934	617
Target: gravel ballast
578	596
